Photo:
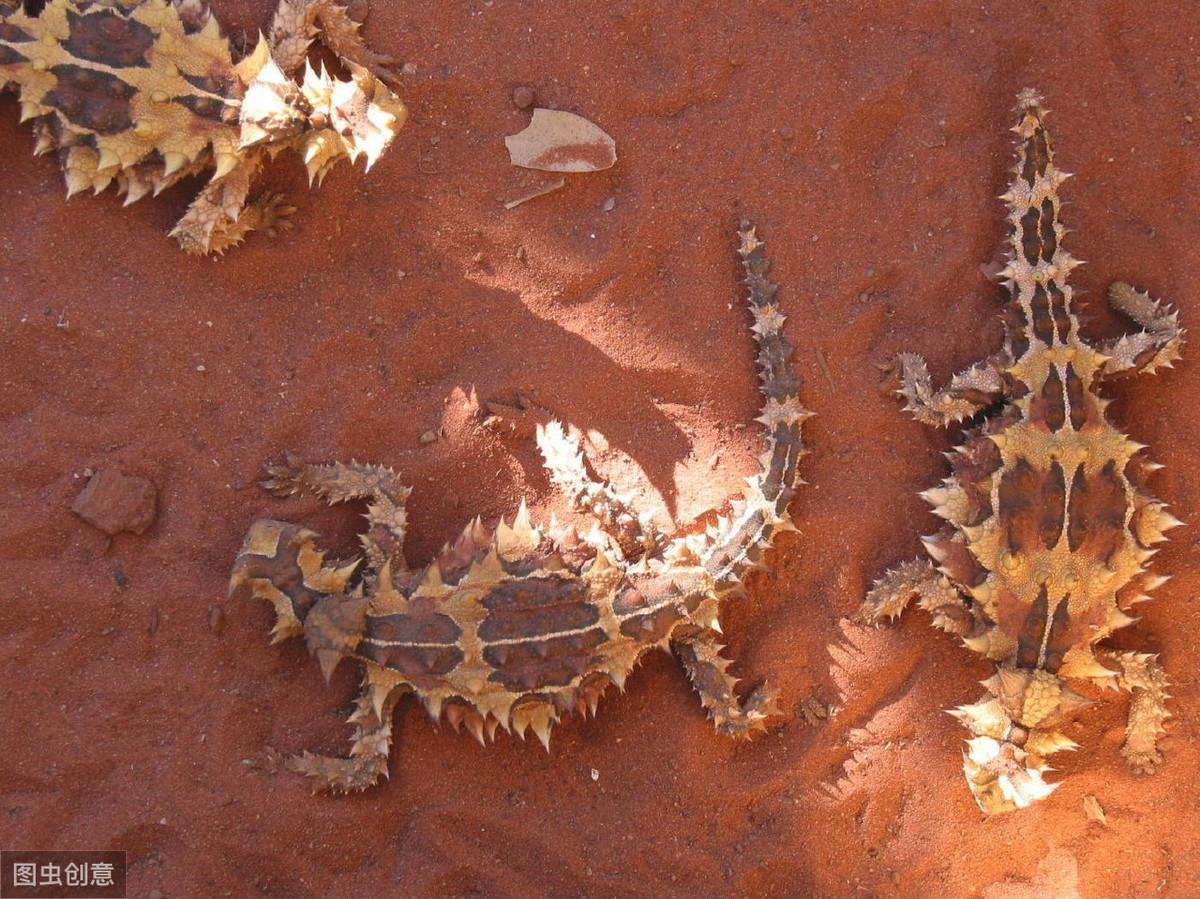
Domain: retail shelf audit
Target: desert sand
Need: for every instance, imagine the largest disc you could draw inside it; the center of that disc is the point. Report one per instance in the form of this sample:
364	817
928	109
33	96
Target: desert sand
869	141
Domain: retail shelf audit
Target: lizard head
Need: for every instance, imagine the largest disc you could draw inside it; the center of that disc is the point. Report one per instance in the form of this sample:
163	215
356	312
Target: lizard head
279	562
326	117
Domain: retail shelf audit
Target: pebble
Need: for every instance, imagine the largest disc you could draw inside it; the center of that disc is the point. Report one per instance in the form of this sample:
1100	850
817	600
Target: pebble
116	502
522	96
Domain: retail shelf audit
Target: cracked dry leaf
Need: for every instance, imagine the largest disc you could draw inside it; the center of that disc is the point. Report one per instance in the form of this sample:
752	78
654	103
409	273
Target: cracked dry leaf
557	141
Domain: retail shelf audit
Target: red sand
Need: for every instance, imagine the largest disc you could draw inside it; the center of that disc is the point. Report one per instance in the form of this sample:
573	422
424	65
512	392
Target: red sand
869	144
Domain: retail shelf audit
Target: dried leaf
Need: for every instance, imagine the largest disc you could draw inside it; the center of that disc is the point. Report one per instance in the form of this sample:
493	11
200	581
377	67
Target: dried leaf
558	141
1092	808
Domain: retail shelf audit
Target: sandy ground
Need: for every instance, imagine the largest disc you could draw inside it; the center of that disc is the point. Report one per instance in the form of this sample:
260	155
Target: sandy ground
869	143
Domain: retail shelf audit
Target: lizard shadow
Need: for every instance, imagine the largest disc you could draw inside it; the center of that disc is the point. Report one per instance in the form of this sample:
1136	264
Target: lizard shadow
505	351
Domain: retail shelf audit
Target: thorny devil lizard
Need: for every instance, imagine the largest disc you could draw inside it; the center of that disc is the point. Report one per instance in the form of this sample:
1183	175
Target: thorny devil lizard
1048	524
516	626
144	93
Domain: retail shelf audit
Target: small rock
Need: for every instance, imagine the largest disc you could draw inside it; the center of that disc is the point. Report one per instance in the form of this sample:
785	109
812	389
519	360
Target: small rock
119	577
428	437
813	711
610	204
216	619
115	502
523	96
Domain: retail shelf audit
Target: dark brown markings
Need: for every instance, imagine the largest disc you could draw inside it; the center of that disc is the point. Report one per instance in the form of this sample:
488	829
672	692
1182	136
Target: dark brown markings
1048	407
282	570
194	16
706	677
9	57
536	605
337	621
1058	310
1033	628
1043	323
1015	328
205	107
1037	156
974	464
959	562
1054	505
1097	513
652	626
778	380
630	599
1142	358
1031	506
109	38
1031	240
749	531
91	99
1059	641
553	662
1014	388
14	35
211	84
1077	396
414	661
775	486
429	627
536	560
1048	237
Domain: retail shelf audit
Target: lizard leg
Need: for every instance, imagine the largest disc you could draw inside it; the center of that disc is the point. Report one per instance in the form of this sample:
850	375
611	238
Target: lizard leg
368	760
968	392
339	482
933	591
266	212
698	651
564	460
297	23
1154	347
213	220
1141	674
